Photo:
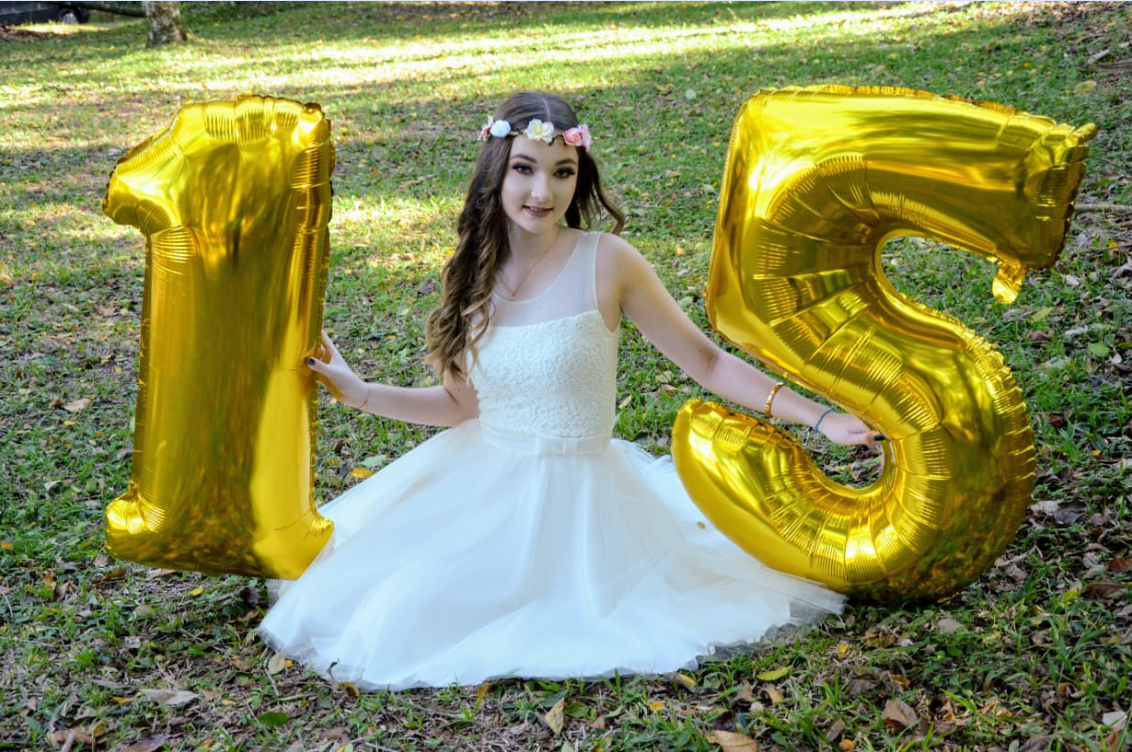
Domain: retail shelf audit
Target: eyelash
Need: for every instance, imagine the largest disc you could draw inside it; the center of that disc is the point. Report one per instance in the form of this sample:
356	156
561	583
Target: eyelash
525	169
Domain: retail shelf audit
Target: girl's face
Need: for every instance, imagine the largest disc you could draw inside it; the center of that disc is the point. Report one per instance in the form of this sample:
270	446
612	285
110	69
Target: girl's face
539	184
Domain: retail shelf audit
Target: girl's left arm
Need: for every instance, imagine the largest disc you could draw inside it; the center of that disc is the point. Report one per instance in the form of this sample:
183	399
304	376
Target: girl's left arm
626	277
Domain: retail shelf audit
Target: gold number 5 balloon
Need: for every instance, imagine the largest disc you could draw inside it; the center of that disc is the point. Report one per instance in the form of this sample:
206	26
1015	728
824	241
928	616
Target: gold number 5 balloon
817	180
234	201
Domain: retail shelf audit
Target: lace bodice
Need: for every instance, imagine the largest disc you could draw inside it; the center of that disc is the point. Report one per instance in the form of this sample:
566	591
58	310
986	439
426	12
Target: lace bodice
548	366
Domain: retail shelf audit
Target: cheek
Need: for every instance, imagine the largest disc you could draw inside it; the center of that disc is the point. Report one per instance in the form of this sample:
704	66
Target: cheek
512	185
570	188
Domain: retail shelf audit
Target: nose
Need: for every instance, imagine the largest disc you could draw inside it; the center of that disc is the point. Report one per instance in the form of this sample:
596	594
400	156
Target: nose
540	187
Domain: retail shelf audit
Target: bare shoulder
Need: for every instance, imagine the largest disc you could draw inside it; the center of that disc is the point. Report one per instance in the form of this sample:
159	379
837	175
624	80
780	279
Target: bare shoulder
615	245
618	259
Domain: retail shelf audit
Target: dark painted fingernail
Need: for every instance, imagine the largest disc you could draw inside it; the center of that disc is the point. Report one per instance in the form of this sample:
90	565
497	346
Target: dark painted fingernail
881	437
310	361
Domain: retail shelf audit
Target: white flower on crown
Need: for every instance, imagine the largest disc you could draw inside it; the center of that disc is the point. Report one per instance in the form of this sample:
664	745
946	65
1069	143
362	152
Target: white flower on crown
497	128
500	129
540	131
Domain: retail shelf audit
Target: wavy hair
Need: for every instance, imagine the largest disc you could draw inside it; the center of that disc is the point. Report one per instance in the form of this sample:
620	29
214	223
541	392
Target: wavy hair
468	277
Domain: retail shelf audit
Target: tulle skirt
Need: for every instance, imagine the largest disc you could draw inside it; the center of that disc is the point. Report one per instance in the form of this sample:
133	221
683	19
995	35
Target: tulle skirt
474	557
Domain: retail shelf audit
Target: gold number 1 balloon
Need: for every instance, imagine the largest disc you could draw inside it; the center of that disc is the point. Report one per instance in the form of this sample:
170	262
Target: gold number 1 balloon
234	200
817	180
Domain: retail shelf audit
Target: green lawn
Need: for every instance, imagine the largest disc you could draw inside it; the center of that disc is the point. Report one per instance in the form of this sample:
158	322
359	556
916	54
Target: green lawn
1035	655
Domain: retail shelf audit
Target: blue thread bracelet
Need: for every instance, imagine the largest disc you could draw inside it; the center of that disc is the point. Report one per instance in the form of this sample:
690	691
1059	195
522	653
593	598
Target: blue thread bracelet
822	417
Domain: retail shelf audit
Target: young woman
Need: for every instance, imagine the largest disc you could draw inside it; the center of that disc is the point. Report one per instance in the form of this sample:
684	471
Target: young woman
525	541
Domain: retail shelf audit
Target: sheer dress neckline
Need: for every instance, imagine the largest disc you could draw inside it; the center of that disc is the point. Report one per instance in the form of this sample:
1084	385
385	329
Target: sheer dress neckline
551	286
572	292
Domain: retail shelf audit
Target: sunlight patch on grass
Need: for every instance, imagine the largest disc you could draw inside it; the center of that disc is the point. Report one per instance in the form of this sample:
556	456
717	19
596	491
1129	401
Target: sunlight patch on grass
438	58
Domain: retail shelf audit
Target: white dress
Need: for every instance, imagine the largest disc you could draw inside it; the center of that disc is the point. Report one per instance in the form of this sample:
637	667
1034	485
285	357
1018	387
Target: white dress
528	542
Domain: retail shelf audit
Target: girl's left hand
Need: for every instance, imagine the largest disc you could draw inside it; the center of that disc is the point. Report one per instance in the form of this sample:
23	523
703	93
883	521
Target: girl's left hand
846	428
336	375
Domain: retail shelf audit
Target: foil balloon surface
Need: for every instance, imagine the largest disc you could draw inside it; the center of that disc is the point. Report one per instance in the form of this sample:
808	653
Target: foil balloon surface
234	200
817	180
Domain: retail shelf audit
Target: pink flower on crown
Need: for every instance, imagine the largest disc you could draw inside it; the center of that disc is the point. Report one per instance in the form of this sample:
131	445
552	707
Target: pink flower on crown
540	131
579	135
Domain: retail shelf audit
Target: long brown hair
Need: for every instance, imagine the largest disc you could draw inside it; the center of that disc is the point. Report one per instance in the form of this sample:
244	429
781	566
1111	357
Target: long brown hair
468	277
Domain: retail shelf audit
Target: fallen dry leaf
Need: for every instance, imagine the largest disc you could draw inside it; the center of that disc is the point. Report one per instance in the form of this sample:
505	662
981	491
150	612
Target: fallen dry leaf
948	625
899	714
898	680
77	406
879	638
1105	589
1116	719
68	737
731	741
745	692
555	717
276	663
1119	565
684	680
173	698
152	744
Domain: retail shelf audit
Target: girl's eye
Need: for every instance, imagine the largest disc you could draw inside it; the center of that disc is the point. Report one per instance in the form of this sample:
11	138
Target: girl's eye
521	168
565	173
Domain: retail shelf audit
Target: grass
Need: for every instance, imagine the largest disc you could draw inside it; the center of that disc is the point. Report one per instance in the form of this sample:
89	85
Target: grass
1035	655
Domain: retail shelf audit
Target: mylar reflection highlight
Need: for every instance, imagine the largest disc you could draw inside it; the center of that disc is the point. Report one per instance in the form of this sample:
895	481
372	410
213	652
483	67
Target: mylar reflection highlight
234	199
817	180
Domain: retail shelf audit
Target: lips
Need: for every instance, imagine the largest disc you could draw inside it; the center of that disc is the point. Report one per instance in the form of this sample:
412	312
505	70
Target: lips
537	211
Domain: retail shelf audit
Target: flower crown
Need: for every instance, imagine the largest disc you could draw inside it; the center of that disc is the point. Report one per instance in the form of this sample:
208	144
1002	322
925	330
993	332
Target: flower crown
537	130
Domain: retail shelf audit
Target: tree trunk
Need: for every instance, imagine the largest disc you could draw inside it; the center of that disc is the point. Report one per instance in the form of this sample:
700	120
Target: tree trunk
165	23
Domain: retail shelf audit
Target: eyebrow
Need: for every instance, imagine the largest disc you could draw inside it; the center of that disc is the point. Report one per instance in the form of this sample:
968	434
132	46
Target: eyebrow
564	161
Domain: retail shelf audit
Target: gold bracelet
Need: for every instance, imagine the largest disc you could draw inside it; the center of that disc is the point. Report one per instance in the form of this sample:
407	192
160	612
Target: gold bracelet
770	397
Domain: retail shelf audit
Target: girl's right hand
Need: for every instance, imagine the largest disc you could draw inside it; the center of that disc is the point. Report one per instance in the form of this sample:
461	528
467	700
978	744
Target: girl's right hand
336	375
846	428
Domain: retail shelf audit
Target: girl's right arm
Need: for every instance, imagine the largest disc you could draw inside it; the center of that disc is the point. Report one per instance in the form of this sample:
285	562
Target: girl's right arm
446	405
